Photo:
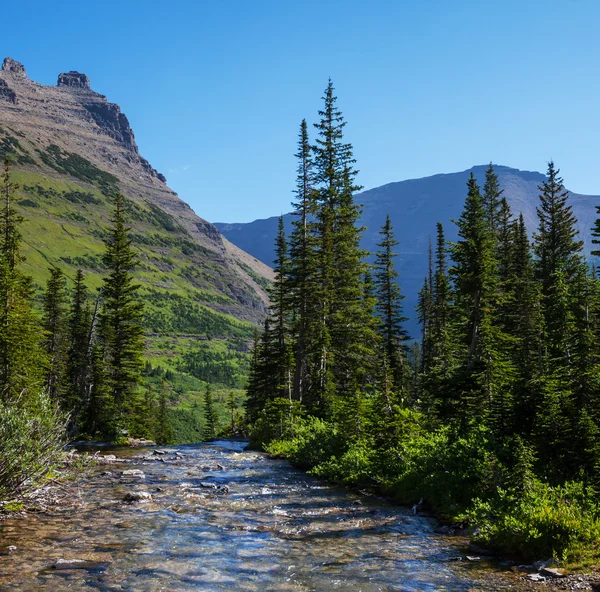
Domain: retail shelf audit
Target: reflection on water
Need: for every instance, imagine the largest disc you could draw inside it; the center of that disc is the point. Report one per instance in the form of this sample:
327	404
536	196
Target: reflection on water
276	529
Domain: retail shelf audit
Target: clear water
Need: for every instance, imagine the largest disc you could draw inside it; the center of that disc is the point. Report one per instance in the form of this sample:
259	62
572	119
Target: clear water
277	529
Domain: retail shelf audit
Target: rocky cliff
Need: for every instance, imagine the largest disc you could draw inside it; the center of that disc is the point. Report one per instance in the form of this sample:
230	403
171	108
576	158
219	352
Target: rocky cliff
73	149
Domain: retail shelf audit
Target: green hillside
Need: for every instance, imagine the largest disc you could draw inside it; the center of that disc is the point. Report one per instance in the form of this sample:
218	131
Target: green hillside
199	315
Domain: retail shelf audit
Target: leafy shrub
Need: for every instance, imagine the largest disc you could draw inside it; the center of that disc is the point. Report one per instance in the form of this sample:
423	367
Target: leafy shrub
31	444
278	420
542	521
312	441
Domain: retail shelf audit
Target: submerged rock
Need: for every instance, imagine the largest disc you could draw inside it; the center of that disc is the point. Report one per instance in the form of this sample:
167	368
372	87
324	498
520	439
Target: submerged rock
134	473
137	496
80	564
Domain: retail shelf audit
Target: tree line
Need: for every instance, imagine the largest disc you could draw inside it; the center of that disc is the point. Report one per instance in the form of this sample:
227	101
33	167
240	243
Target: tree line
494	414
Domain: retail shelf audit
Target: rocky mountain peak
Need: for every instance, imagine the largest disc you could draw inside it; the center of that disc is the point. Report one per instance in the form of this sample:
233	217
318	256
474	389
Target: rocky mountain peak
10	65
73	79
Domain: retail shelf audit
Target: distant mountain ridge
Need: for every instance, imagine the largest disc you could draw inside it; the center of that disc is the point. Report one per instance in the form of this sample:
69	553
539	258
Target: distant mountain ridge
415	205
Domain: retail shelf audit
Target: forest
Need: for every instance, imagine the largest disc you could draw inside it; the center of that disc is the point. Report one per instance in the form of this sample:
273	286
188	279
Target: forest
492	418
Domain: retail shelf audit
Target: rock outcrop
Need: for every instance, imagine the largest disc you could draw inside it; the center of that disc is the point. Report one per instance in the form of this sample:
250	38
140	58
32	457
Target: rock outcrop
10	65
74	80
7	93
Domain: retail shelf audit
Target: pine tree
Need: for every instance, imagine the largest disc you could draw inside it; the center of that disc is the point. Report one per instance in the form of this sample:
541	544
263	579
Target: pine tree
492	202
279	320
121	319
56	341
79	350
389	305
22	360
556	243
475	275
302	268
210	415
559	257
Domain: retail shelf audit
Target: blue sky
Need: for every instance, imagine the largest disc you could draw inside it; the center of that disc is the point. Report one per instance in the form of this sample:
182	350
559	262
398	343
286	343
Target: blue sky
215	90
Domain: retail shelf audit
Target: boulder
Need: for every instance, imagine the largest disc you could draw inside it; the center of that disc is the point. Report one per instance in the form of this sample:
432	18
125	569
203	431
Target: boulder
134	473
552	572
137	496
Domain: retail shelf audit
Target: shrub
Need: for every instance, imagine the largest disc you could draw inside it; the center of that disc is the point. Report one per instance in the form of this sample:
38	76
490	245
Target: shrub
31	444
542	521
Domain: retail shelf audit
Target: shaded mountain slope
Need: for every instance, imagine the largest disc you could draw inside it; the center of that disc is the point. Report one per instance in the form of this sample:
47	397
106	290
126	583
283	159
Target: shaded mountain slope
415	206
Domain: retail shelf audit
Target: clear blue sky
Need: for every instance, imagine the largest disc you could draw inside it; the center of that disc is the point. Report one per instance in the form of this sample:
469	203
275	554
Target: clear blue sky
215	90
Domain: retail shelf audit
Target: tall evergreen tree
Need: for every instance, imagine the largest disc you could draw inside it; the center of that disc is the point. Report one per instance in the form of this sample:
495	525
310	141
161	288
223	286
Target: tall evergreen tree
475	275
56	340
558	253
22	360
121	319
79	350
279	320
302	267
210	414
492	201
389	304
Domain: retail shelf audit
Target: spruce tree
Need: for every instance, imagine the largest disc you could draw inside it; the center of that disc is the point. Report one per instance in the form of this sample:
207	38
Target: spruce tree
492	201
558	253
475	274
79	350
22	359
56	339
121	319
346	339
389	304
210	415
279	320
302	268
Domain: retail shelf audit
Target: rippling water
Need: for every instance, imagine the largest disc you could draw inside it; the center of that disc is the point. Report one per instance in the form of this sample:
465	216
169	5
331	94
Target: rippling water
276	529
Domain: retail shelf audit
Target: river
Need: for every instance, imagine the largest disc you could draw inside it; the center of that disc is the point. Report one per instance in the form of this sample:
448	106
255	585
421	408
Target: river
276	529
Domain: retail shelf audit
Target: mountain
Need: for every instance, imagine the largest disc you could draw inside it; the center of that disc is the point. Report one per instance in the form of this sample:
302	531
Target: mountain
415	206
72	150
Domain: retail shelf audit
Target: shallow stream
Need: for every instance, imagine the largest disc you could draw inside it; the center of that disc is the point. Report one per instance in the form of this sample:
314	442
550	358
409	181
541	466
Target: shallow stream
276	529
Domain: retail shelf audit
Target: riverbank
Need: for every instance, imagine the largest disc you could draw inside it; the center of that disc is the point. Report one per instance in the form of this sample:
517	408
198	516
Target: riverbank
271	528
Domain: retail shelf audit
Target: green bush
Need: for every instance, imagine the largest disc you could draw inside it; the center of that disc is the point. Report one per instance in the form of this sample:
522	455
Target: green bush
542	521
277	421
31	444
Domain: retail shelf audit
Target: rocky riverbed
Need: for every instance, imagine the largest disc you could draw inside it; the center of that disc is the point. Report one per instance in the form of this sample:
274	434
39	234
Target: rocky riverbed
213	517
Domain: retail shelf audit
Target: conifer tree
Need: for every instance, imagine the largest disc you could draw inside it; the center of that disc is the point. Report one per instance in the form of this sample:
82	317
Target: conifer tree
56	339
475	275
558	259
302	267
121	319
210	415
79	350
22	360
279	320
556	243
389	304
492	201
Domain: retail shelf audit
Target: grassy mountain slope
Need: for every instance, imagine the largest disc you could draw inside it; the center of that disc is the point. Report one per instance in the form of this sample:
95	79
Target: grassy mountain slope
72	150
